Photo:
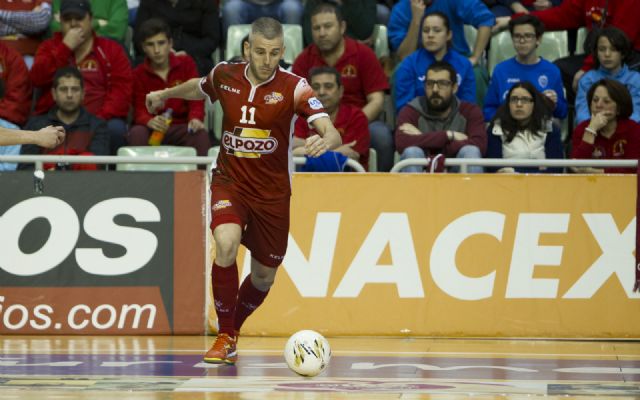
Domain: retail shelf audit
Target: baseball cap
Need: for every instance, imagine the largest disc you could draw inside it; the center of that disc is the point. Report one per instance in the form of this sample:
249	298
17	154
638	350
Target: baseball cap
77	7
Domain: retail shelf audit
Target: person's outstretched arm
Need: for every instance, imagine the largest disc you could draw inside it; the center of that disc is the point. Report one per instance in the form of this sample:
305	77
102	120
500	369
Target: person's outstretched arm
189	90
48	137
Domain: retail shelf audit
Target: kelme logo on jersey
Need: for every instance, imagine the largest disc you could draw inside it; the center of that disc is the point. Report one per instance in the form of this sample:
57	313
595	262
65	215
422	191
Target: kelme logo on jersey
249	142
314	103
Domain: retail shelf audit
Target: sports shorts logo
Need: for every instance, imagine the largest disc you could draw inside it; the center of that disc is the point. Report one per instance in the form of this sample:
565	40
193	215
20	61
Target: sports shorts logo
273	98
249	142
314	103
220	204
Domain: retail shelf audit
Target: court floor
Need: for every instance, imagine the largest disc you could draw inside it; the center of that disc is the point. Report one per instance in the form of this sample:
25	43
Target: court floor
170	367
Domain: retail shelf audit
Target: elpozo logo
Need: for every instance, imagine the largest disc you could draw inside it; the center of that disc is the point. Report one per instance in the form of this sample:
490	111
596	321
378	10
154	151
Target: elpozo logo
249	142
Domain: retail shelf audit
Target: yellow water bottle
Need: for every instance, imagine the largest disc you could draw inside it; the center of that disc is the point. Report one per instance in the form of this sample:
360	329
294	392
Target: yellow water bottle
157	136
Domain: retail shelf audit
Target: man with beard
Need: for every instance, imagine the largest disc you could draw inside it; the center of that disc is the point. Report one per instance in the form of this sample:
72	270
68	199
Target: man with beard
439	123
86	133
362	75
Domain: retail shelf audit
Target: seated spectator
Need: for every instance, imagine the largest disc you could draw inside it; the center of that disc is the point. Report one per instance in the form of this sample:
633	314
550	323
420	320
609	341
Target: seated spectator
10	150
349	120
86	134
15	103
235	12
23	24
436	39
362	75
502	8
611	51
439	123
522	129
406	16
103	63
526	33
360	17
110	18
163	69
195	27
609	133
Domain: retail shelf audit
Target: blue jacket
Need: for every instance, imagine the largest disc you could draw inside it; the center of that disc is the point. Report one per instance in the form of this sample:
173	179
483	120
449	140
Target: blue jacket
630	78
460	12
544	76
410	74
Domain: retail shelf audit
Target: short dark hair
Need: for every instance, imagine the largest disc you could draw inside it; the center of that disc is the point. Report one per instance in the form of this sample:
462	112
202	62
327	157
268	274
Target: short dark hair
327	7
67	72
325	69
152	27
443	66
527	19
618	93
540	116
439	14
618	39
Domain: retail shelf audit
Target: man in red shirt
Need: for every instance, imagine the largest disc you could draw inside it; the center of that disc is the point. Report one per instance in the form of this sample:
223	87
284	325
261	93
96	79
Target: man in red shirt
349	120
251	187
15	102
103	63
362	75
162	69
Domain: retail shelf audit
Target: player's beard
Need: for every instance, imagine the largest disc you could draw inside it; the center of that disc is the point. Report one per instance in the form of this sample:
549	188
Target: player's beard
261	73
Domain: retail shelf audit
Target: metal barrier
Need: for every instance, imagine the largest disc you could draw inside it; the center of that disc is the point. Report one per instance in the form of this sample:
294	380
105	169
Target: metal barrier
502	162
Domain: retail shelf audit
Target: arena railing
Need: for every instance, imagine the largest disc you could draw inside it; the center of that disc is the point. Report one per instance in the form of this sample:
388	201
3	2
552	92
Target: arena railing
463	163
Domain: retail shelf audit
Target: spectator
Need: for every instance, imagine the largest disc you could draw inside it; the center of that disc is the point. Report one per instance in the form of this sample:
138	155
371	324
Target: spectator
195	27
592	14
439	123
360	17
502	8
609	133
436	39
526	33
22	25
103	63
406	16
522	129
12	149
110	18
236	12
86	133
15	103
349	120
164	69
362	75
611	51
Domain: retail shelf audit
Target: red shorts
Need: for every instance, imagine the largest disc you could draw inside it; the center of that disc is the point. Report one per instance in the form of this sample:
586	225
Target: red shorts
265	225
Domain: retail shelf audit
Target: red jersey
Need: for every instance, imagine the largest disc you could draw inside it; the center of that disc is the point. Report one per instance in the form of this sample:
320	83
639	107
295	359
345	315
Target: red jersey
258	126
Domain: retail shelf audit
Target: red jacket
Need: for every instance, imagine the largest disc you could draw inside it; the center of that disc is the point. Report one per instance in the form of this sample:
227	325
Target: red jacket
181	69
106	72
624	144
571	14
15	104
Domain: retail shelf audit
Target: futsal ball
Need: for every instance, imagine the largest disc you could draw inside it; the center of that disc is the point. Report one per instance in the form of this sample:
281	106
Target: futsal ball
307	353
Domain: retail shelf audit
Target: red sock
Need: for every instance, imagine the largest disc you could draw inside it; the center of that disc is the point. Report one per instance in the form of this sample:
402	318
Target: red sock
224	282
249	298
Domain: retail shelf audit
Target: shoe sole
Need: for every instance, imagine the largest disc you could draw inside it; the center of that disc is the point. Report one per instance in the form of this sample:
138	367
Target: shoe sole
218	361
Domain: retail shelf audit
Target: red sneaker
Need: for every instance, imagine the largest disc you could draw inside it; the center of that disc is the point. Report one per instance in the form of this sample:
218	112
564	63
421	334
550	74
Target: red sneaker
222	351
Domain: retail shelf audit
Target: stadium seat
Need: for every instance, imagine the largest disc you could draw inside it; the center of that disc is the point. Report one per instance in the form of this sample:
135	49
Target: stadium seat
380	41
373	160
580	38
156	151
470	34
553	45
292	41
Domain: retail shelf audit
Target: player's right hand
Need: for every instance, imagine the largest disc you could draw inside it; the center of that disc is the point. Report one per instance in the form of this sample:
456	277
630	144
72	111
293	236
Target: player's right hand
154	101
315	146
50	137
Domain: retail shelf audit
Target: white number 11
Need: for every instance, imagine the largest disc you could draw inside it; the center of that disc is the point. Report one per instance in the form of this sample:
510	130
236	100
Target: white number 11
252	114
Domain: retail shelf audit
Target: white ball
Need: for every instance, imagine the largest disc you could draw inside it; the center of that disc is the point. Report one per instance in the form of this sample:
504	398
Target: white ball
307	353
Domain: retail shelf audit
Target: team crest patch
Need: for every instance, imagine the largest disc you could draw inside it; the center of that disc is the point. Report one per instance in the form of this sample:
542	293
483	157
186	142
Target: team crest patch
315	104
543	81
220	204
273	98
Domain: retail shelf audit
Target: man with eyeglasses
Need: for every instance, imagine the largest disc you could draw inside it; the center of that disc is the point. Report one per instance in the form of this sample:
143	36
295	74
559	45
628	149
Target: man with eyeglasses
526	33
440	123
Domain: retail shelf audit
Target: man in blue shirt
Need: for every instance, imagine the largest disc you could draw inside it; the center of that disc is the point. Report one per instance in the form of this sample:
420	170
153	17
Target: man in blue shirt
526	33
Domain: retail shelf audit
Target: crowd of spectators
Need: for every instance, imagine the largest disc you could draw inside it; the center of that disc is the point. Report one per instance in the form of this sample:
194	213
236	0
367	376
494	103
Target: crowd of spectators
88	64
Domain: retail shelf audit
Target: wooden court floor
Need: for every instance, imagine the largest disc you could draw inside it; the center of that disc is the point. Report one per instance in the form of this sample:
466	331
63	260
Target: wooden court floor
170	367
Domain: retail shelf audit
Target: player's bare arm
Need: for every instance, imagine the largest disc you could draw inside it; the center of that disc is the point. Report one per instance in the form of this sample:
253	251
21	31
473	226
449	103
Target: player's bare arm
48	137
189	90
328	138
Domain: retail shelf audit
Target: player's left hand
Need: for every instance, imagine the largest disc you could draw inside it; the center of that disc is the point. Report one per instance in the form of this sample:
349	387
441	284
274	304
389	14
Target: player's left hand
154	101
315	146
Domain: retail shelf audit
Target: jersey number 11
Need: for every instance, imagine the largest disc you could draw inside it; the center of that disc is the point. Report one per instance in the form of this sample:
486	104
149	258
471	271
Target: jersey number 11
252	114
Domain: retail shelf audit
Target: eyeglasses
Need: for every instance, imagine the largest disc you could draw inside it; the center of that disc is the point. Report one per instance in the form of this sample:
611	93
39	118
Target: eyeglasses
519	37
442	83
523	100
